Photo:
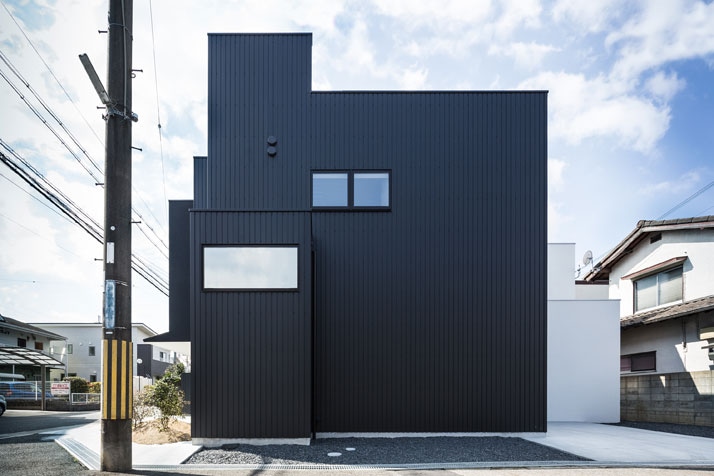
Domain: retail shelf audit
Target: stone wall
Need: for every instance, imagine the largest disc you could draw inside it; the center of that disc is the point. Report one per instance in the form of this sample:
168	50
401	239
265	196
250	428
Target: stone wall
686	398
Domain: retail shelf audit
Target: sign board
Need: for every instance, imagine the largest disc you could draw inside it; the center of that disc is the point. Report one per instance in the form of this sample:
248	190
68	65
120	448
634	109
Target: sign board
60	388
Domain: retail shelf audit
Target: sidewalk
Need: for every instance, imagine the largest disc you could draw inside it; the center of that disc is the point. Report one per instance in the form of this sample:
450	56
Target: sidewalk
606	445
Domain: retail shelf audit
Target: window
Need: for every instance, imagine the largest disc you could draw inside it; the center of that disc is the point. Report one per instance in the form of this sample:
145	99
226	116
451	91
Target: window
250	267
39	345
70	348
329	190
93	378
92	350
646	361
351	190
21	342
658	289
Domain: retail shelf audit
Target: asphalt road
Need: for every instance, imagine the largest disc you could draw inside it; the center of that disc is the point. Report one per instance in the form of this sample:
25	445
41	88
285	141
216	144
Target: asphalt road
24	421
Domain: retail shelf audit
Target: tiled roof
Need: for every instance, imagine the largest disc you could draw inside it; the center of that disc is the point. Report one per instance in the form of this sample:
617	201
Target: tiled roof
669	312
601	269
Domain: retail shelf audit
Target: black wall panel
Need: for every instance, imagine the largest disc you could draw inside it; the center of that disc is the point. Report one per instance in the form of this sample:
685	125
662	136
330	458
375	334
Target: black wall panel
429	317
251	351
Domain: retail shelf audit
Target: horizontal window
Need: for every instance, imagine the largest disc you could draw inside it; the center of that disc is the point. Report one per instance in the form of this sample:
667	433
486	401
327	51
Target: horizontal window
646	361
658	289
250	267
351	189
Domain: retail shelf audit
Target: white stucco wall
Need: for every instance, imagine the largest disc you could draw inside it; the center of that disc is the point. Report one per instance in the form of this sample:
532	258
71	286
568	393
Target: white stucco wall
583	361
667	339
561	270
583	345
592	291
698	271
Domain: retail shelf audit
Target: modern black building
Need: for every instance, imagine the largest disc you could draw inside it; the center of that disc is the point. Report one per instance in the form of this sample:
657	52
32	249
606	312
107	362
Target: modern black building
360	261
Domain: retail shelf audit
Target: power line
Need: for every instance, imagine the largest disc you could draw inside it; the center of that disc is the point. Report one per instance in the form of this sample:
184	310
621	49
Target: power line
158	110
87	224
41	236
687	200
52	73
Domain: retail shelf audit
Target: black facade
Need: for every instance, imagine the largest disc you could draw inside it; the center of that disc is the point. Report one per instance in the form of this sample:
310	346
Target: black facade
424	313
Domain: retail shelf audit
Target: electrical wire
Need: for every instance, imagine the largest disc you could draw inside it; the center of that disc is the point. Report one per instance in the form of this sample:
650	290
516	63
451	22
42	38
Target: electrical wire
158	110
72	137
687	200
41	236
89	226
52	73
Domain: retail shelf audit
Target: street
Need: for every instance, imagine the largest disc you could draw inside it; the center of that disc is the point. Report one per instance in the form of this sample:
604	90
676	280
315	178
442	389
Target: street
15	421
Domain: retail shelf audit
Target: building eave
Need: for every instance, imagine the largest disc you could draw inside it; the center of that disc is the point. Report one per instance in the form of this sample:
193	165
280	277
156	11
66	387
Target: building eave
667	313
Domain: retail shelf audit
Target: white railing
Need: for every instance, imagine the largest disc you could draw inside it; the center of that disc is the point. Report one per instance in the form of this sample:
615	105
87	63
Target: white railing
80	398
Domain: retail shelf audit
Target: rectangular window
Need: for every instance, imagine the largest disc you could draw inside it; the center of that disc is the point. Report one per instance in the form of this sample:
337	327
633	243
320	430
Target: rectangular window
646	361
39	346
329	189
21	342
92	350
351	189
371	189
250	267
658	289
70	348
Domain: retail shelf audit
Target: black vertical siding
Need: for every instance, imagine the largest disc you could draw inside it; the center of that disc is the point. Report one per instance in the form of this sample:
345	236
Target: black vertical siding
437	307
179	270
428	317
251	350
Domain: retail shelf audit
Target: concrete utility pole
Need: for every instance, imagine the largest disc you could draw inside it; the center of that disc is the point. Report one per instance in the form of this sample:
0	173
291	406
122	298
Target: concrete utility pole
116	332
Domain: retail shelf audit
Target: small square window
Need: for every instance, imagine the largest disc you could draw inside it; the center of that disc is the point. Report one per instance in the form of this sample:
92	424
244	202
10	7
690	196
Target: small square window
70	348
371	189
329	190
92	350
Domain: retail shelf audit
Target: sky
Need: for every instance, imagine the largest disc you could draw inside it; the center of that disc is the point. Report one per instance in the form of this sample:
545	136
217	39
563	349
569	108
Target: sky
630	113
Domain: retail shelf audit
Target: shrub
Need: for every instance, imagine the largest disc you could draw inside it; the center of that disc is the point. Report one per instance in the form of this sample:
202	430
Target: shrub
168	398
77	384
94	387
141	407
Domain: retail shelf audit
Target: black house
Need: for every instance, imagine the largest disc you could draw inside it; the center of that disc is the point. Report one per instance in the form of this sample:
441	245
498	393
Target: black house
360	261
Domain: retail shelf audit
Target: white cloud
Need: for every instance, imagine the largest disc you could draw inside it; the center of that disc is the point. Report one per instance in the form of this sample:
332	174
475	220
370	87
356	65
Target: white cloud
582	108
556	167
586	15
665	86
685	183
662	32
526	55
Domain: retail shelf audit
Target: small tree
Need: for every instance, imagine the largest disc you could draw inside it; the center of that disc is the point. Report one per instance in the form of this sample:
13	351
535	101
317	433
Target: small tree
166	395
77	384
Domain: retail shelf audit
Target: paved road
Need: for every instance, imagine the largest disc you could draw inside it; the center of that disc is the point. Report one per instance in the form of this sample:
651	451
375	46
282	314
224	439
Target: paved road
23	421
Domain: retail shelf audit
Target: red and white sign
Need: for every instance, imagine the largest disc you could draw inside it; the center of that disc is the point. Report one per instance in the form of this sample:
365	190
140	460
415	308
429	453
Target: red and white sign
60	388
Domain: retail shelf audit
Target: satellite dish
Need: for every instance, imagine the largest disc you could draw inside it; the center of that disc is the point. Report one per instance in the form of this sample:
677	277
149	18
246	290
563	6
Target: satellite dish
588	257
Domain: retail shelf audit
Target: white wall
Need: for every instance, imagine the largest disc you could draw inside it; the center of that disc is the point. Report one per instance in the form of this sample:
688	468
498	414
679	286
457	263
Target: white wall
698	275
583	361
666	339
561	270
592	291
583	345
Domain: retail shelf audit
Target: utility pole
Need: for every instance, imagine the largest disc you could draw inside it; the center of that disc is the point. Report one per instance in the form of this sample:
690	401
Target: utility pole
117	358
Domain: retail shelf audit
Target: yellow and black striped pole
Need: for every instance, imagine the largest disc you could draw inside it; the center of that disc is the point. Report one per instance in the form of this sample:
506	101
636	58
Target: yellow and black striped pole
117	380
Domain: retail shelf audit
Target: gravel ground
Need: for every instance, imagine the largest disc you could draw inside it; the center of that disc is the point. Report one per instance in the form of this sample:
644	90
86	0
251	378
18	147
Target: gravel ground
691	430
385	451
37	455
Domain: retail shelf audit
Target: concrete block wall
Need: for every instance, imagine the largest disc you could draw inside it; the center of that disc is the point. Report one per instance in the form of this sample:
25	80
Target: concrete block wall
685	398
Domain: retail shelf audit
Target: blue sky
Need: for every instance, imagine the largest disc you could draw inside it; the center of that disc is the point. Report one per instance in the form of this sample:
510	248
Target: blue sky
631	112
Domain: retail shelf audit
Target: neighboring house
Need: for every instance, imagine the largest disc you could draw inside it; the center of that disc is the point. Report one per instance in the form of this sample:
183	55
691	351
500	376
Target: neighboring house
360	262
35	343
663	274
82	350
